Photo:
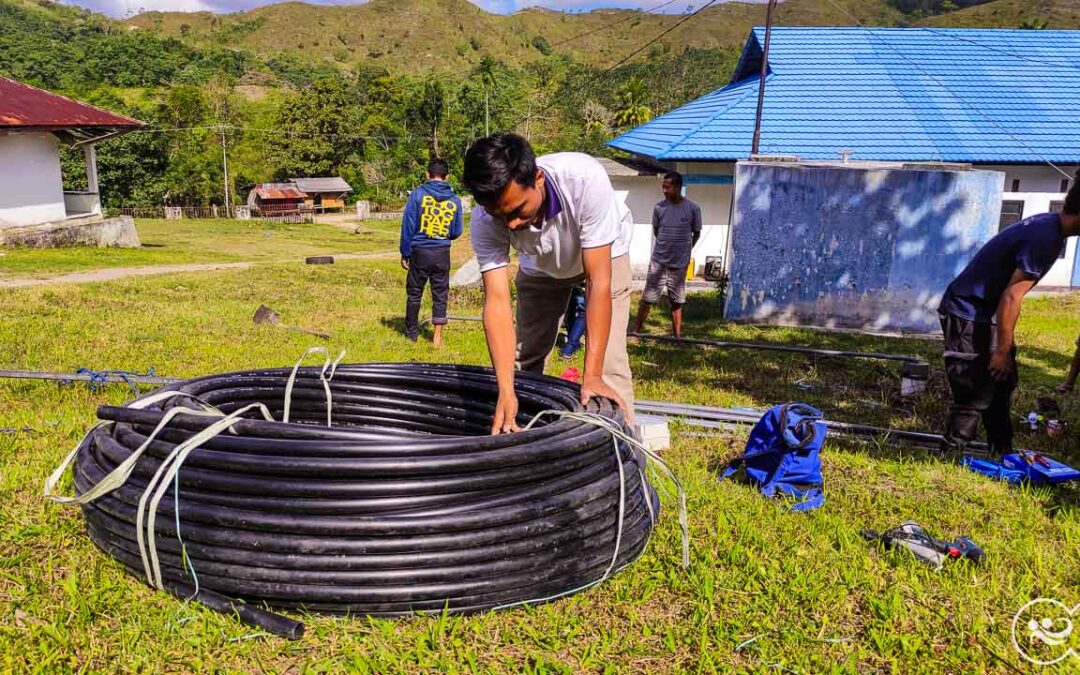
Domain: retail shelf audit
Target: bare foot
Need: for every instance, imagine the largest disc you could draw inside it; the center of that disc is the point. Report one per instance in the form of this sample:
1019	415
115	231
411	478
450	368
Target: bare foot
436	340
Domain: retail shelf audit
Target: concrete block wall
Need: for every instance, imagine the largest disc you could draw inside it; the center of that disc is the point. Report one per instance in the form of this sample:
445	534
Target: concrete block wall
854	246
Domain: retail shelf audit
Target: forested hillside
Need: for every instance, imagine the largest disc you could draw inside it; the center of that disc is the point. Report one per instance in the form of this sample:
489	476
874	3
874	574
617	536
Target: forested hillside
370	91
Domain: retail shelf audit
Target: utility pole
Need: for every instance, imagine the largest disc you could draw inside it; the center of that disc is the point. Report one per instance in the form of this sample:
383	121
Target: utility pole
761	83
225	170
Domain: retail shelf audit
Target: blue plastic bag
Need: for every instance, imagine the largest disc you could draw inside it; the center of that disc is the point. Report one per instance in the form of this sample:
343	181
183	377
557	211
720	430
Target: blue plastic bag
783	455
1023	467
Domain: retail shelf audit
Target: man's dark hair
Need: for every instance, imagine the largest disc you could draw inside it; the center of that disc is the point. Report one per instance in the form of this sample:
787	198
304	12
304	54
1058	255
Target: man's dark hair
492	162
1072	200
674	176
438	168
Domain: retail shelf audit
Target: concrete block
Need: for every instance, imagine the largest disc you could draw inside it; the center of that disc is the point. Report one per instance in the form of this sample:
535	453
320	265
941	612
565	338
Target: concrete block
103	233
653	432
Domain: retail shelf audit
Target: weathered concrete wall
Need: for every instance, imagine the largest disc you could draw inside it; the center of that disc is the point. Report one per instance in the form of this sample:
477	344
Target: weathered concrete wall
31	187
119	232
864	247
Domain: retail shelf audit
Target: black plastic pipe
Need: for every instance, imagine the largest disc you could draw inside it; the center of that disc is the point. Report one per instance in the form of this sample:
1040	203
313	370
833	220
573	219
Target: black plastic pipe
406	504
765	346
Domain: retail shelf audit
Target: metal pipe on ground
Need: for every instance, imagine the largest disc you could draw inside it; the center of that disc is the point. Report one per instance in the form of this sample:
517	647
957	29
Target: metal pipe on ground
427	320
85	377
720	418
765	346
913	379
701	416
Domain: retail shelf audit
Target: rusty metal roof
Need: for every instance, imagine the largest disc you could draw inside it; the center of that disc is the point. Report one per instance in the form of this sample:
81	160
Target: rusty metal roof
278	191
27	108
322	184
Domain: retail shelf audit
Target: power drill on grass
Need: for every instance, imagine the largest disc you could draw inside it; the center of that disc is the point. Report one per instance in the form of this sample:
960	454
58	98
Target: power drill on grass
914	538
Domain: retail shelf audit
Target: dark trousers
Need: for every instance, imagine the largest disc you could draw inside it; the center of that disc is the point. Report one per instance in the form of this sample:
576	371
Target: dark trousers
574	321
975	394
427	264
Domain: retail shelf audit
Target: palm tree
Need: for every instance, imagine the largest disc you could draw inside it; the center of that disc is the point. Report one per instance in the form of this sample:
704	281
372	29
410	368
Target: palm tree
632	110
487	70
432	104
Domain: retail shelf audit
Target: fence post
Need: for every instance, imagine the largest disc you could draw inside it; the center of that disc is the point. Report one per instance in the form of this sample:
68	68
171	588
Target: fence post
363	209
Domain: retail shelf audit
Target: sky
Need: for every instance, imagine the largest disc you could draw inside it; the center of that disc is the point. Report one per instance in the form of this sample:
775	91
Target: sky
122	8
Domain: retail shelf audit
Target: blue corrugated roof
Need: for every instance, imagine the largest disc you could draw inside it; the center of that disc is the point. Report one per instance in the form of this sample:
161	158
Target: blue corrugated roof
902	94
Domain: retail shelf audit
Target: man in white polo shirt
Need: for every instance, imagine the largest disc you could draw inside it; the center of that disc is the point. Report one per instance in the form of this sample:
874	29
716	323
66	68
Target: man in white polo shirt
562	216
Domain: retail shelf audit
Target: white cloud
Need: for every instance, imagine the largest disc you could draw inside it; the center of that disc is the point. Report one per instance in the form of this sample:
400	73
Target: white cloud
121	8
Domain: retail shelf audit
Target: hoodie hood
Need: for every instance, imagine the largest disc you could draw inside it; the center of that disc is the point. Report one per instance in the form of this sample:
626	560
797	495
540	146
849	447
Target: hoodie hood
439	189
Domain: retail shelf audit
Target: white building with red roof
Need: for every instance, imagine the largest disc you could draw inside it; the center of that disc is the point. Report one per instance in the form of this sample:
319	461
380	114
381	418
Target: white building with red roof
33	125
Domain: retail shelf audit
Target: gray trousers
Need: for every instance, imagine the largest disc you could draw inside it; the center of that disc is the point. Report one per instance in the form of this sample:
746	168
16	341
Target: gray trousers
541	302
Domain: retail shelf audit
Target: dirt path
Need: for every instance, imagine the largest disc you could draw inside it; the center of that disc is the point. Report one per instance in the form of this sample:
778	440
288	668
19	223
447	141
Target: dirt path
112	273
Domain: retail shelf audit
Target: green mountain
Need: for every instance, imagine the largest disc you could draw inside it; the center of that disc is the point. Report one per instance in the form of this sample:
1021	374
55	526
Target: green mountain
370	91
451	35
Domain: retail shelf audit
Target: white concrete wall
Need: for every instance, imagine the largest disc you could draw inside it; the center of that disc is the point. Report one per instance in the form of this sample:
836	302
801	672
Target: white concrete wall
641	193
715	203
31	187
1039	202
1033	177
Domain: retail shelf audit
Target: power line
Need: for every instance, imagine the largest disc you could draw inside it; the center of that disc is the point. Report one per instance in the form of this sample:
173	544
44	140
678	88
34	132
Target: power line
652	41
633	15
934	79
991	48
280	132
596	78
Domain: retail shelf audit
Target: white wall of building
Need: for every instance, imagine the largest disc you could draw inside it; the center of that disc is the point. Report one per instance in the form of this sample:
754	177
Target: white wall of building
31	186
1039	202
1033	178
1039	185
641	193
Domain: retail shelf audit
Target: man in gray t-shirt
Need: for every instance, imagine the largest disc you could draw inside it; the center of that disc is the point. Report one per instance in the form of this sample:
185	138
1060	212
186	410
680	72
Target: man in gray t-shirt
676	223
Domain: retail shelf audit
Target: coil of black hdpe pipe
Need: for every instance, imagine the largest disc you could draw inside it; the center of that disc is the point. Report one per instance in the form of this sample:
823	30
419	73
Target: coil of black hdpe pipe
404	505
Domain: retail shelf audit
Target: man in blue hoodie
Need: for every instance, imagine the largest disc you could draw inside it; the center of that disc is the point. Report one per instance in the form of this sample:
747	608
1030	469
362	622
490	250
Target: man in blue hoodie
431	221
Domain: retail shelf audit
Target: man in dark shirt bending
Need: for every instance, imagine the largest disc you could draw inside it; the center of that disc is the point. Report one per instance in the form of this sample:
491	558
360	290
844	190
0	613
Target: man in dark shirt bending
978	316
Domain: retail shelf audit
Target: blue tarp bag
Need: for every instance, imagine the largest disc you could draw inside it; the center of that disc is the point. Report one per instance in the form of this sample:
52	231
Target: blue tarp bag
1024	467
783	455
993	469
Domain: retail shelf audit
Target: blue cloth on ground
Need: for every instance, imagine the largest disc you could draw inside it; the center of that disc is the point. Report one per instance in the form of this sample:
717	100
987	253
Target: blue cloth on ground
1023	467
783	455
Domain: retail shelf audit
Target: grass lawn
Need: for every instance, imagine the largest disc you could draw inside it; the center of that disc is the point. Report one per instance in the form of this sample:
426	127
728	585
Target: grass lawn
174	242
767	590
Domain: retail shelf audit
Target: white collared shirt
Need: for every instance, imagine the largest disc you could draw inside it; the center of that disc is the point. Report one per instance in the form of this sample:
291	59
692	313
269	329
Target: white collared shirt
591	216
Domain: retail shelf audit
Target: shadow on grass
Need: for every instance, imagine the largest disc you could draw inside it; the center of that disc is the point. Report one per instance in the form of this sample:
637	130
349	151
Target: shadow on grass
397	324
852	390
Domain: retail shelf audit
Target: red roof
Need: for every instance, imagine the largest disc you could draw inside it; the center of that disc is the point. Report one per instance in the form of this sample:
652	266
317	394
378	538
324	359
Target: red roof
26	107
278	191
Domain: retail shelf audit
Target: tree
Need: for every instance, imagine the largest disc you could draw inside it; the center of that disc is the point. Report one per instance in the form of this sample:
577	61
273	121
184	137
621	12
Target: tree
632	110
430	109
486	71
317	131
541	44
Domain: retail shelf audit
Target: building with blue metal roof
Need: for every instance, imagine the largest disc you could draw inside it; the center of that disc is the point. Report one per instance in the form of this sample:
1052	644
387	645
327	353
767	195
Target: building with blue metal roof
999	99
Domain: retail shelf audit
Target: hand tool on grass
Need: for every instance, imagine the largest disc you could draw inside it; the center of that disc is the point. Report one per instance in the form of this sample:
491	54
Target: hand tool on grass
934	552
266	316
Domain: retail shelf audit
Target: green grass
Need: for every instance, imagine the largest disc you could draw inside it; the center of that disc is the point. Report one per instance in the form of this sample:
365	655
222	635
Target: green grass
175	242
766	591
